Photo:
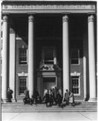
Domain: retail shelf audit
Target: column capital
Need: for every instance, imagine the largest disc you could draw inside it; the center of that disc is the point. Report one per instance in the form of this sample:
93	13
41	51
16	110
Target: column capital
90	18
12	30
65	18
30	18
5	18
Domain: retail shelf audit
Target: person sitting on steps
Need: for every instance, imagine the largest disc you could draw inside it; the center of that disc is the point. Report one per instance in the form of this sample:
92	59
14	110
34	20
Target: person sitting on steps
26	99
9	95
71	98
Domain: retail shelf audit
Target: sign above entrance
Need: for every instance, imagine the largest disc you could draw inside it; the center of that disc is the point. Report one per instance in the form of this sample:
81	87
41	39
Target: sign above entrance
48	8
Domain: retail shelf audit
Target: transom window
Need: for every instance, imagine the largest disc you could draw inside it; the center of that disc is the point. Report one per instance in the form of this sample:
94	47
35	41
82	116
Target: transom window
22	56
22	84
75	55
75	84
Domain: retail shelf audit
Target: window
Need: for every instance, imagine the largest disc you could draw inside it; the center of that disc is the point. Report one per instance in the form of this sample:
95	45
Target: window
75	84
22	84
75	56
22	56
49	53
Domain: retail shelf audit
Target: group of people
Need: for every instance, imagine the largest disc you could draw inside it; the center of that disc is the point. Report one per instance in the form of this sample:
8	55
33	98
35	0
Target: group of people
35	97
51	97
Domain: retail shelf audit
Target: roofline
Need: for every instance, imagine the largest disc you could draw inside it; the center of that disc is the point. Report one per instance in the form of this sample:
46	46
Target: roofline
48	1
90	1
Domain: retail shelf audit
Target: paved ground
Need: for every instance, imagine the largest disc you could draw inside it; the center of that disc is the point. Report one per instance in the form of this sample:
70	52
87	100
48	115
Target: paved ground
50	116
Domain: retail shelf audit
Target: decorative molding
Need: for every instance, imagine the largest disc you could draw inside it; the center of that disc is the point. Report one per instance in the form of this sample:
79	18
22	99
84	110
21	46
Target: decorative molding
5	18
12	31
75	74
46	67
48	8
22	74
49	74
18	38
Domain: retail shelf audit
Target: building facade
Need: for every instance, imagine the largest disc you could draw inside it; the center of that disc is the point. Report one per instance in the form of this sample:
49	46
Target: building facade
47	44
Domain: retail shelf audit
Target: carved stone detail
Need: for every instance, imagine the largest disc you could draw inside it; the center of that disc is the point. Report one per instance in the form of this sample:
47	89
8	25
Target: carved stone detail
65	18
5	18
91	18
12	30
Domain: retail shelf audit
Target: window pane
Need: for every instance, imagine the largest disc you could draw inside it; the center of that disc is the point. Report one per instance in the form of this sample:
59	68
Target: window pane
48	54
75	84
75	56
74	61
22	84
22	56
75	90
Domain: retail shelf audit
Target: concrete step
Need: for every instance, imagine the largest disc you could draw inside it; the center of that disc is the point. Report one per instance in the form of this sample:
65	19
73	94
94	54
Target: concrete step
20	107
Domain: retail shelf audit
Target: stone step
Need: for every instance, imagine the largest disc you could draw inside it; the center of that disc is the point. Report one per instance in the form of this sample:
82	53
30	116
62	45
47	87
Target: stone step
20	107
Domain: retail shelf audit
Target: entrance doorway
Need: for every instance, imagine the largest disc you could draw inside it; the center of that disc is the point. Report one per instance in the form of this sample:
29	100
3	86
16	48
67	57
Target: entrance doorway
49	82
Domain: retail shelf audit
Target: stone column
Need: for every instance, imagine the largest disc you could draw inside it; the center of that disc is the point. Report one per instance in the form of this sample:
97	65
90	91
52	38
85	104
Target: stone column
12	64
85	44
65	54
91	51
30	54
5	58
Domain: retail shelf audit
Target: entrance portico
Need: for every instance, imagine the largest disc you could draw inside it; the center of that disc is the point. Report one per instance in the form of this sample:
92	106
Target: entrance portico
61	11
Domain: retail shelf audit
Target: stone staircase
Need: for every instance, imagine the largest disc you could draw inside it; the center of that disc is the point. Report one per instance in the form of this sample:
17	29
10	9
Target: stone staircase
19	107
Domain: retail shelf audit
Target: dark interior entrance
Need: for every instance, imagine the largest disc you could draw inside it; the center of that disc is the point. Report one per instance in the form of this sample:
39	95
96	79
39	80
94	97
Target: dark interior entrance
48	33
49	82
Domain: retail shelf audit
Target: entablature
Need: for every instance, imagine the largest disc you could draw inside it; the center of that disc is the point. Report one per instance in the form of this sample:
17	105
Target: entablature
48	7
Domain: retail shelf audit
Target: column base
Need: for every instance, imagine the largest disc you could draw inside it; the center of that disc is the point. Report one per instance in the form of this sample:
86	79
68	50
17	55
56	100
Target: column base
92	100
4	100
14	100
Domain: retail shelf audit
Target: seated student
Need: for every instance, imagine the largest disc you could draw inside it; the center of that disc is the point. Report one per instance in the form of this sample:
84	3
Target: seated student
51	97
44	96
54	93
59	97
66	97
36	97
48	97
26	99
9	95
71	98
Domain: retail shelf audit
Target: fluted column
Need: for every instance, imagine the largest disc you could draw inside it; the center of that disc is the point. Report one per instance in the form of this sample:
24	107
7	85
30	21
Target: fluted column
65	54
30	54
91	47
5	58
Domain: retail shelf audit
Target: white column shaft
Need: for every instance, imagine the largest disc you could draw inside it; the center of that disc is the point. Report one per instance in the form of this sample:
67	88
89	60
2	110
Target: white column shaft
12	65
91	46
31	55
5	58
85	65
65	54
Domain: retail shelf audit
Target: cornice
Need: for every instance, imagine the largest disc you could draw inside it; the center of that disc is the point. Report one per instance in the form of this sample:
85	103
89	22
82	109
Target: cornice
47	7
